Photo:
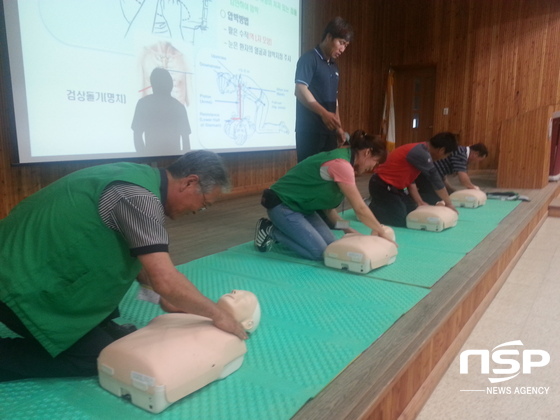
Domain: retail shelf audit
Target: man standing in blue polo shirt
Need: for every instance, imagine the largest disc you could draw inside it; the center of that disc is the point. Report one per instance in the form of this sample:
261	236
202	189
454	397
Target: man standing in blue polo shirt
318	126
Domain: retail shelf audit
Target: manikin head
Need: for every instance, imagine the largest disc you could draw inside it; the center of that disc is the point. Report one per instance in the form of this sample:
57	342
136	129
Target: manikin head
244	307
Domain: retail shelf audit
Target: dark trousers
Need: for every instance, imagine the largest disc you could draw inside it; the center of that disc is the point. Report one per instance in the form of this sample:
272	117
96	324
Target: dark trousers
426	190
24	357
389	204
310	143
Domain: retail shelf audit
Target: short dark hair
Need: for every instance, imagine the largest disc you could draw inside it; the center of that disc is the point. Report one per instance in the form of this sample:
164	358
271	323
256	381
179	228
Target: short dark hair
360	140
480	148
446	140
207	165
338	28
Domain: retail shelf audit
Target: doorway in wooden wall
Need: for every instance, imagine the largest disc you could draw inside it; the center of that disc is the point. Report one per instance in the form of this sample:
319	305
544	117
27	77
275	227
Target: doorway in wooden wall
414	98
555	147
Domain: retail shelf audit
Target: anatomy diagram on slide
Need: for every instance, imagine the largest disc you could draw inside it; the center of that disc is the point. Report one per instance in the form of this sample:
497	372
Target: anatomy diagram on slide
251	107
167	18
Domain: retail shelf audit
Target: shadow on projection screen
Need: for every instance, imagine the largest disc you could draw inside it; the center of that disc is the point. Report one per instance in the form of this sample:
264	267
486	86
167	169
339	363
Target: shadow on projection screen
107	79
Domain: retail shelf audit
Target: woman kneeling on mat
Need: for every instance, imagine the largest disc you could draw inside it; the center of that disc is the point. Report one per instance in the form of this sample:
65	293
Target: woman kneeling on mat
317	185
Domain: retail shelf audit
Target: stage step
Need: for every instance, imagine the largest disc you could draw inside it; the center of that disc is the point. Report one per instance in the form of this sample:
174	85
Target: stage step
554	208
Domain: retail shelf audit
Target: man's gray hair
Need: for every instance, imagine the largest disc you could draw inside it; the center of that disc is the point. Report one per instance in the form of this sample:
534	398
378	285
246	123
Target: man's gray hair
207	165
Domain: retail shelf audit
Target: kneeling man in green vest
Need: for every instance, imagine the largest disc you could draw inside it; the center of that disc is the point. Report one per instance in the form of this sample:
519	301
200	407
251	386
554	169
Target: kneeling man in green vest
70	252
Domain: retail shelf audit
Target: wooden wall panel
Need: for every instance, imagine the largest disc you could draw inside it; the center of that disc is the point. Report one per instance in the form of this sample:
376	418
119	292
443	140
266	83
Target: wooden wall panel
497	61
551	56
521	164
480	78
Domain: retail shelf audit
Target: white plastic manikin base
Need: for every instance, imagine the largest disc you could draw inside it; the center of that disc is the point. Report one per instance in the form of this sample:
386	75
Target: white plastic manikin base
468	198
431	218
173	356
360	253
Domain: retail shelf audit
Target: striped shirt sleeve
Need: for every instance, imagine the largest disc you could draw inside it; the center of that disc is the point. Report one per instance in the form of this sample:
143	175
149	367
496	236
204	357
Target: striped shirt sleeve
455	162
137	214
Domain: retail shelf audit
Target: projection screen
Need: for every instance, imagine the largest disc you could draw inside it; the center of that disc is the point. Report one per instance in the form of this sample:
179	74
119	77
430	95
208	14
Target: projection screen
85	85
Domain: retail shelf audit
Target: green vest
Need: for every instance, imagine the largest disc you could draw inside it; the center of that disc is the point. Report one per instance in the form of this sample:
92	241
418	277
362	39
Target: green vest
62	270
303	190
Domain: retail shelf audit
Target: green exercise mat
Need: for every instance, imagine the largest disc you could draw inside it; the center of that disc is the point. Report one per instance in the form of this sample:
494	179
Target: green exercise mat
307	336
424	257
315	321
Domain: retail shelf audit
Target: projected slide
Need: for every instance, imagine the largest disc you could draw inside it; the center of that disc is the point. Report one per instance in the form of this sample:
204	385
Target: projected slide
95	79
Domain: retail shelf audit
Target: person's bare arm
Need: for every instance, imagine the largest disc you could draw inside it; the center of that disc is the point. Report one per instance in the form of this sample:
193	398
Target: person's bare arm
340	131
304	95
448	186
444	195
144	280
465	181
176	289
363	212
334	218
415	195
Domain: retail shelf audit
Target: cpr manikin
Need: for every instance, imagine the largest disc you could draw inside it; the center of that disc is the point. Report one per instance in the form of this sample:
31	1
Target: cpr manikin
470	198
176	354
361	253
431	218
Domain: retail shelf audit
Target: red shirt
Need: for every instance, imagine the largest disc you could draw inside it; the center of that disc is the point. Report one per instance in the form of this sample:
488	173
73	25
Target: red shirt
405	163
397	170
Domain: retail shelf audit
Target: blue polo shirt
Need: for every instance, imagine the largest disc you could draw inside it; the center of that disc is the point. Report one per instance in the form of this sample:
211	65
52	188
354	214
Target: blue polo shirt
321	77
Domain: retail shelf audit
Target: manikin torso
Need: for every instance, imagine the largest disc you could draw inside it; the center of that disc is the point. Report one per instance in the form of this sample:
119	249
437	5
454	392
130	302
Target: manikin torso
431	218
470	198
176	354
361	253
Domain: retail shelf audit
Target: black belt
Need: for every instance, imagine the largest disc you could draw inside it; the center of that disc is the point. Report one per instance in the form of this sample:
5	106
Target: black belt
389	187
270	199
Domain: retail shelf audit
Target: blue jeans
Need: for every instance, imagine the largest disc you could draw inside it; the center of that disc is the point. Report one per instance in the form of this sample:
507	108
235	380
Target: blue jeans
307	235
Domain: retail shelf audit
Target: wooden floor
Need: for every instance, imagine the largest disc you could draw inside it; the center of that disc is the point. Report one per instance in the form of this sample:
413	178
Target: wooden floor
395	375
